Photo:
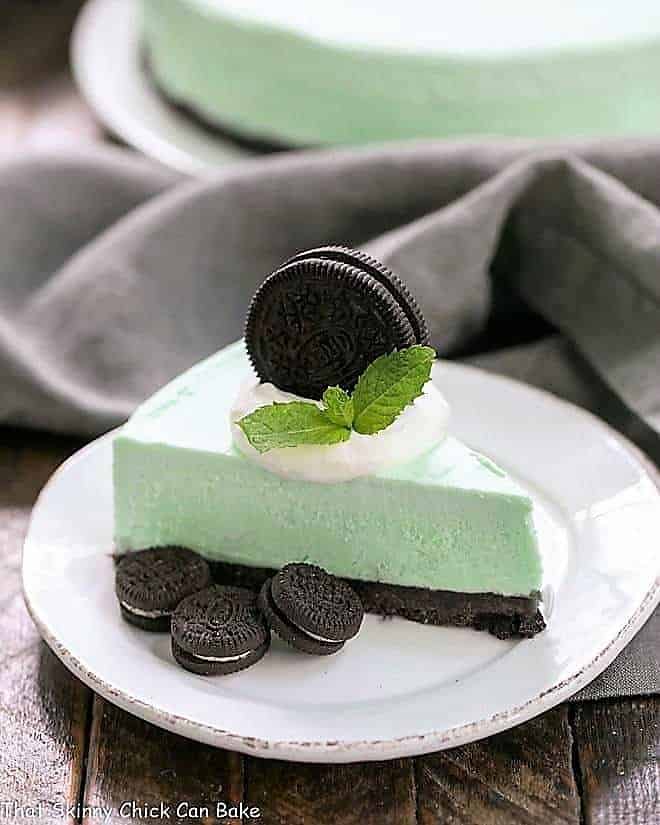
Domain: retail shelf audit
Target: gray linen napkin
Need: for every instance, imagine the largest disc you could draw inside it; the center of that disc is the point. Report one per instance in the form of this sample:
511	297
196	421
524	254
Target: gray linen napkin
541	262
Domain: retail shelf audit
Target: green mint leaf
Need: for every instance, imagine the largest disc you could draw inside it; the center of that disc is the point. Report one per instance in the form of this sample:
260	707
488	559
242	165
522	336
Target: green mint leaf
338	406
388	385
290	425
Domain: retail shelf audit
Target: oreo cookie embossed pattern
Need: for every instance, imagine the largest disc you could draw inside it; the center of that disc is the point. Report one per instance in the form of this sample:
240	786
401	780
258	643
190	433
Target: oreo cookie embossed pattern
219	630
151	583
324	316
310	609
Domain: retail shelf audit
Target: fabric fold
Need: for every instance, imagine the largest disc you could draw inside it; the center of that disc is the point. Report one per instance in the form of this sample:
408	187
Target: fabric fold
118	274
539	261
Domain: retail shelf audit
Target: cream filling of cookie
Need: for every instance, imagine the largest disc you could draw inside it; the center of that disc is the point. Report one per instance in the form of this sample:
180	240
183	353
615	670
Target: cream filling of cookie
316	637
236	658
145	614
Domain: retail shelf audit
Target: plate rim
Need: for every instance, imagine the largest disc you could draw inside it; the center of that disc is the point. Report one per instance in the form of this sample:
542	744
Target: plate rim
368	749
154	143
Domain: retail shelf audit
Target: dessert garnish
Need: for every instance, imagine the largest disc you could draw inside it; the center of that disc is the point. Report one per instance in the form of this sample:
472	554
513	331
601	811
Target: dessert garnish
150	583
379	272
324	316
385	388
218	631
310	609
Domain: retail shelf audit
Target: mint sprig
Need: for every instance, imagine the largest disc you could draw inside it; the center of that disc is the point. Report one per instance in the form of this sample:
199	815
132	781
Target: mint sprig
290	425
382	392
388	385
338	406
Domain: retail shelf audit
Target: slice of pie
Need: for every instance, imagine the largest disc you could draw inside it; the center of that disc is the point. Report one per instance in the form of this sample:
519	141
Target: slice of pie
447	538
254	473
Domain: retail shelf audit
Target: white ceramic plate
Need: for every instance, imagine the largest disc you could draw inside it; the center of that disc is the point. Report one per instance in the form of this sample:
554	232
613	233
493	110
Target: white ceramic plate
106	61
399	688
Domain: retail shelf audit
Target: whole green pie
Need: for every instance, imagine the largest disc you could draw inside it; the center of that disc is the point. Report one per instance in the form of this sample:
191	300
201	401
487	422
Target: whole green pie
358	71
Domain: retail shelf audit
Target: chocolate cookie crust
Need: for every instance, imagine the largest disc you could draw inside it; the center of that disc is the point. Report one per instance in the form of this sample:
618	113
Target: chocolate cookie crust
507	617
247	141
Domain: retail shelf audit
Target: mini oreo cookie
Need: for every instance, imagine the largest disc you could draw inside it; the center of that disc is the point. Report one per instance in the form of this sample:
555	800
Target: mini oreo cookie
324	316
311	609
150	583
219	630
287	631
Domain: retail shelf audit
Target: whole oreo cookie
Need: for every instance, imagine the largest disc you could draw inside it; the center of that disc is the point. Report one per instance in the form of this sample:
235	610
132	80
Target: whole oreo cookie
219	630
311	609
150	583
324	316
383	275
288	631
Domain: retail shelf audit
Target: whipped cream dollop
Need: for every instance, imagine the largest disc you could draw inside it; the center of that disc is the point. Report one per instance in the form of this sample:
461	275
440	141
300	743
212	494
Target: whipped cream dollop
421	426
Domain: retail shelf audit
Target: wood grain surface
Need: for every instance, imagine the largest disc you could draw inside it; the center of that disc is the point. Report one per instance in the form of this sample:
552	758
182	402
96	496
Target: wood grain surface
35	38
618	743
43	709
61	747
130	761
524	775
39	106
366	794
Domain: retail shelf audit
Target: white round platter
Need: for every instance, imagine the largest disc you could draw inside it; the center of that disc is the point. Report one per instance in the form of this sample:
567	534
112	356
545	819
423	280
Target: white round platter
107	65
399	688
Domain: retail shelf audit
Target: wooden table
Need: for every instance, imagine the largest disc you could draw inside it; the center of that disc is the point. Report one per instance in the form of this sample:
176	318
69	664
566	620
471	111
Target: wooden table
62	748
